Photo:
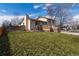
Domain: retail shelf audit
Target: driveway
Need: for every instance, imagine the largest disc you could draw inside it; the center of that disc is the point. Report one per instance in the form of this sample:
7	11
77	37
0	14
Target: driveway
72	33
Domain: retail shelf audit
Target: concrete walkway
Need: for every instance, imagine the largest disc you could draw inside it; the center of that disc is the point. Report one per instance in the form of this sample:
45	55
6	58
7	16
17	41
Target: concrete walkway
72	33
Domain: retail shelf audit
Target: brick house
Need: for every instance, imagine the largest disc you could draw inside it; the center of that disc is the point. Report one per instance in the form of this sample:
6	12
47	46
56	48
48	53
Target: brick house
39	24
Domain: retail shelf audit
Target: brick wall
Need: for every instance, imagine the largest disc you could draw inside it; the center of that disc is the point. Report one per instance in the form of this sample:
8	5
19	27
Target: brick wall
45	28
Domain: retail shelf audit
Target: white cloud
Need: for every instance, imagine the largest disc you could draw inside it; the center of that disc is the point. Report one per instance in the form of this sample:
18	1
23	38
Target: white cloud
9	18
38	6
34	15
73	4
74	21
76	18
45	7
48	4
4	10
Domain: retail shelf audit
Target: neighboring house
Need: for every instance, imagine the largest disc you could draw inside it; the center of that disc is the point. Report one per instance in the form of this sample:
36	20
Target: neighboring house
39	24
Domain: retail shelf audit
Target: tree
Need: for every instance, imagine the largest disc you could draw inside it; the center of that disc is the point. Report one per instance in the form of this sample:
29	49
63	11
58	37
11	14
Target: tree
59	10
14	22
6	23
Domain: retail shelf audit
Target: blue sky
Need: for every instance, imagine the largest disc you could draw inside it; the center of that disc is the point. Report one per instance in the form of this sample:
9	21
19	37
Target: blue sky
29	8
75	9
21	9
33	9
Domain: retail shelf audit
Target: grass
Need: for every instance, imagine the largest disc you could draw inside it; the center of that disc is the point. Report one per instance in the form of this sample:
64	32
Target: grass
39	44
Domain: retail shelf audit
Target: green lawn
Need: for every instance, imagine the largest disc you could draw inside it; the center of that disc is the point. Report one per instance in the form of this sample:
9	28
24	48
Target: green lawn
39	43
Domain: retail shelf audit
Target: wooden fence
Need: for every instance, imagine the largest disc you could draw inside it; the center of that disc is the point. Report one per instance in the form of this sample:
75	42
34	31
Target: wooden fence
2	31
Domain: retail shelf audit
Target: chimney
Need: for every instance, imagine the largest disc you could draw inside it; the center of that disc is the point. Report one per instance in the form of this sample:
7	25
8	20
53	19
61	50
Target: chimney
27	22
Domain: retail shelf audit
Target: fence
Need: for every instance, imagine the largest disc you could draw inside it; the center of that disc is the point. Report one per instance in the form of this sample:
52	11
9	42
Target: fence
2	31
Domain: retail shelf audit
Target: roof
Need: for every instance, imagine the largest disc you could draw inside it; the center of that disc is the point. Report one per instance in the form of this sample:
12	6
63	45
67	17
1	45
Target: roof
39	20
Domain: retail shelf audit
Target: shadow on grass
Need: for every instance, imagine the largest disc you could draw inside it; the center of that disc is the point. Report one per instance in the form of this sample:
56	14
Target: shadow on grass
5	45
